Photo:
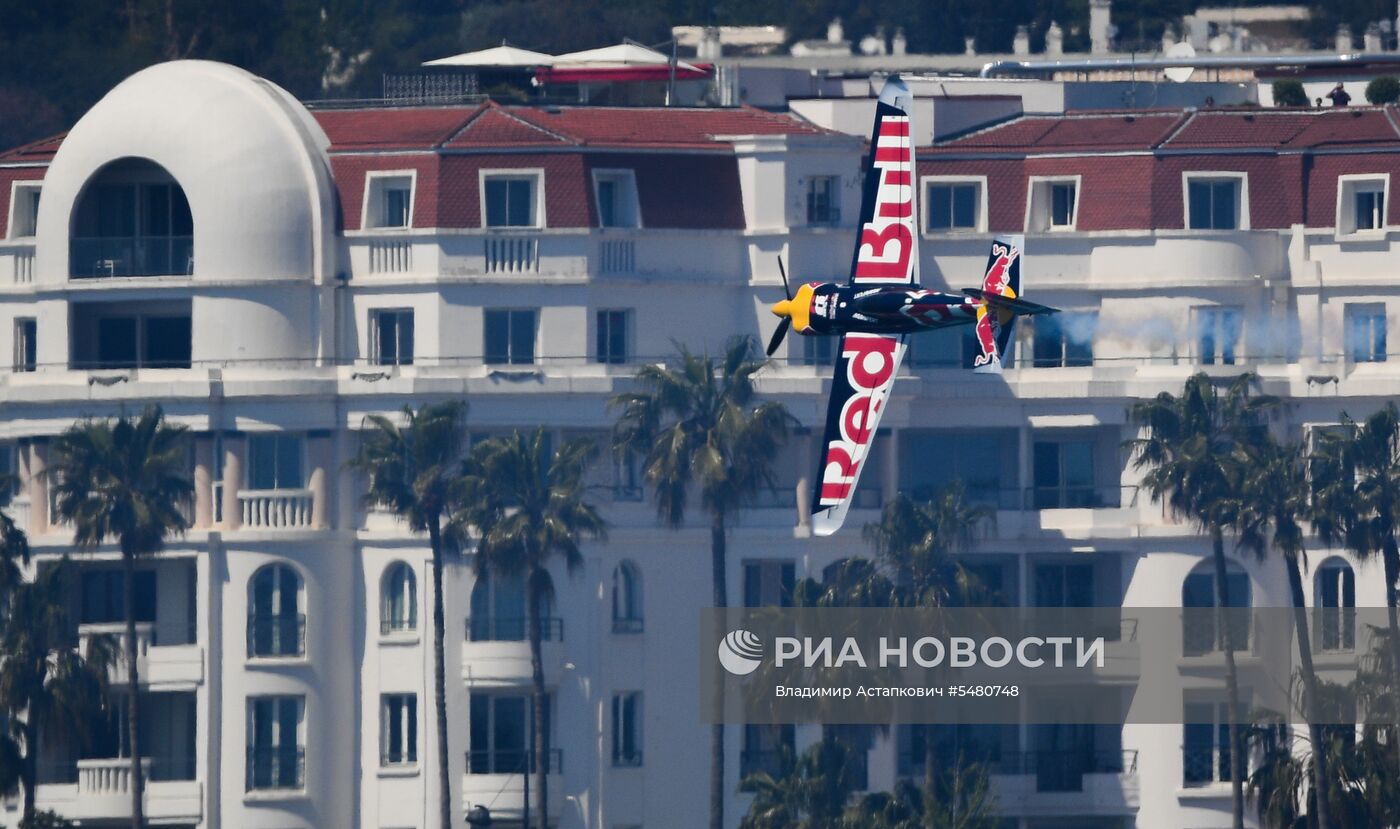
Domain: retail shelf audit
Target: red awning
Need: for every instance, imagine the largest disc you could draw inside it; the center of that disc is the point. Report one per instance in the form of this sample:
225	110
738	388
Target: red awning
619	74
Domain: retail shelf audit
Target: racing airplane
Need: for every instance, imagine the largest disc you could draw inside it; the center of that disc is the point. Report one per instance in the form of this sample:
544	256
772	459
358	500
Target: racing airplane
882	305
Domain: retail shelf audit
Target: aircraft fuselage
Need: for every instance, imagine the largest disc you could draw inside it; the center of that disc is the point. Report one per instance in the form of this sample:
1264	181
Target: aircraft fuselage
827	308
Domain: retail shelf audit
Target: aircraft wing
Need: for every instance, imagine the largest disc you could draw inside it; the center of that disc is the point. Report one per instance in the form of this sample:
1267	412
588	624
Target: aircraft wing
887	249
866	368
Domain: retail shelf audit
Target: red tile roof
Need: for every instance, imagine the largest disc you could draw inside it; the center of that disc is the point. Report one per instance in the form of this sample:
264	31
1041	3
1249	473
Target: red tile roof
492	125
1253	129
38	152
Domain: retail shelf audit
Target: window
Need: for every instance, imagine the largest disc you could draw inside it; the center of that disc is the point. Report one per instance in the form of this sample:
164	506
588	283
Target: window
276	617
389	200
398	730
275	461
104	599
823	200
1200	629
616	193
510	337
1218	334
392	337
26	344
399	604
501	736
1064	474
132	220
1215	203
953	206
276	756
1205	744
1053	204
1064	585
768	583
9	473
627	598
24	209
131	335
627	728
1361	203
764	747
612	337
511	199
819	351
498	611
1365	332
1335	601
1064	340
627	477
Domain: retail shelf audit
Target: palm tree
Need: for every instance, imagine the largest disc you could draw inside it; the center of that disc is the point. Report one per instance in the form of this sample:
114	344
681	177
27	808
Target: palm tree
1273	509
1356	488
414	470
127	479
1191	458
808	792
698	425
46	687
960	798
914	545
529	507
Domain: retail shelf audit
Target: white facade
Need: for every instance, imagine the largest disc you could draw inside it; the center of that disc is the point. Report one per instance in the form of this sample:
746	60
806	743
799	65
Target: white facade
280	306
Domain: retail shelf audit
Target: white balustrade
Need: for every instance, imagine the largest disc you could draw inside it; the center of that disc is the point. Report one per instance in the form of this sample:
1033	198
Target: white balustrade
617	255
276	508
23	267
512	254
107	777
390	256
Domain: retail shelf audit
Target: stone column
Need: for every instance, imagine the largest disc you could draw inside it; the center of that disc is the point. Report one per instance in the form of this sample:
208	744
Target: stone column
38	487
234	448
320	460
203	482
1100	26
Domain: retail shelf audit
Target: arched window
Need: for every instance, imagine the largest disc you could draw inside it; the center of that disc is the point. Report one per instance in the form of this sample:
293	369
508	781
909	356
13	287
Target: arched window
1201	632
1334	600
132	219
277	613
498	610
398	606
627	598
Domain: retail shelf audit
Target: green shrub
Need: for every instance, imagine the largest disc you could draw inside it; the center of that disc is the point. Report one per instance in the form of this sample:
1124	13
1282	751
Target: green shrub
1289	93
1383	90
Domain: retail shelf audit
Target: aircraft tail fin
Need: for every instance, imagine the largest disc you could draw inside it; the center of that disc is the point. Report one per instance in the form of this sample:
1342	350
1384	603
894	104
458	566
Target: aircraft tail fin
996	315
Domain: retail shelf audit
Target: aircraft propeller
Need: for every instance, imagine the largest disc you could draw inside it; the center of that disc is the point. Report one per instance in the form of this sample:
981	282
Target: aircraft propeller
786	322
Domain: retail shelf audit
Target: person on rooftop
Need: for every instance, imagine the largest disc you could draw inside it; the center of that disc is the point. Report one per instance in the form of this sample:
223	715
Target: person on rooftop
1338	96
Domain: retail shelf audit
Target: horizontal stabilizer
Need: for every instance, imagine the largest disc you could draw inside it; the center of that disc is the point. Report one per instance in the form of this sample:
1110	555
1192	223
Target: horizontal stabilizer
1017	306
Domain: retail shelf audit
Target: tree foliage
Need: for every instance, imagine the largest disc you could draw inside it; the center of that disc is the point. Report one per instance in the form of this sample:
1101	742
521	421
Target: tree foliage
1383	90
1290	93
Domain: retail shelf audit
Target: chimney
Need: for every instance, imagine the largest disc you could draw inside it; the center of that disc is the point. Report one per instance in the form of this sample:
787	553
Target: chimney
1054	40
1344	42
711	47
1168	37
1021	43
1372	38
899	45
1197	31
970	46
1100	21
835	33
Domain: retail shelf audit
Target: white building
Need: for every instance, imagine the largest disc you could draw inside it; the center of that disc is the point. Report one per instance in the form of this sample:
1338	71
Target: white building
271	275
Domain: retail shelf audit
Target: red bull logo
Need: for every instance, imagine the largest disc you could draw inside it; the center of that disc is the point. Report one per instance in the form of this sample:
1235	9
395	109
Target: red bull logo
871	363
886	247
997	274
996	283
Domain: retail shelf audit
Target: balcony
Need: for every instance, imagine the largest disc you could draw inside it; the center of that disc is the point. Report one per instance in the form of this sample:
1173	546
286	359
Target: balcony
16	263
496	652
100	790
1063	783
97	256
180	662
276	509
496	778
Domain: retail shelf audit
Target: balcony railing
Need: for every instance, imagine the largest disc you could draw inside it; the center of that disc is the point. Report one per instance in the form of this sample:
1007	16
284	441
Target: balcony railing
1041	498
276	508
512	761
617	255
390	256
1201	634
512	254
1203	765
276	636
1063	770
131	256
492	629
276	768
109	776
22	272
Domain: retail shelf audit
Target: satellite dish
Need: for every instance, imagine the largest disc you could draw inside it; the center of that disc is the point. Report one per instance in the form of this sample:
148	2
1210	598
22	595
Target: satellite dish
1180	74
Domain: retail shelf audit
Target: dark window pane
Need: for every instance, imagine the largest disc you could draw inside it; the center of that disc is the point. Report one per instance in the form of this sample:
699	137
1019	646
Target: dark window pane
940	207
520	207
496	202
1199	205
607	203
168	342
1223	205
116	342
522	337
965	206
497	336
